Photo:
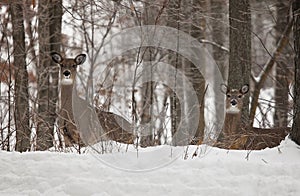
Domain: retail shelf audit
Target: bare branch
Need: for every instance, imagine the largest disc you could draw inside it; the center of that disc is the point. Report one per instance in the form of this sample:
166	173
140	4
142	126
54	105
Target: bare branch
267	69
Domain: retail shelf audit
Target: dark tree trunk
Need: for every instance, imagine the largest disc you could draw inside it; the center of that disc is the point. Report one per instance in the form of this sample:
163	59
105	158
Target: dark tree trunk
21	96
55	45
50	14
44	131
295	134
240	49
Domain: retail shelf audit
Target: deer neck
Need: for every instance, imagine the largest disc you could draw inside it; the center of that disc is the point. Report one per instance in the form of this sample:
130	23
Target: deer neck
231	123
66	98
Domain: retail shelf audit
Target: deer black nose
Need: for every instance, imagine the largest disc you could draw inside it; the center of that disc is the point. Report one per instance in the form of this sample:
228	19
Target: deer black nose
67	73
233	102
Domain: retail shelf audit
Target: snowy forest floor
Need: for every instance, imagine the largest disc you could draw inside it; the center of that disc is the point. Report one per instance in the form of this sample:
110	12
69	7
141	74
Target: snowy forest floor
217	172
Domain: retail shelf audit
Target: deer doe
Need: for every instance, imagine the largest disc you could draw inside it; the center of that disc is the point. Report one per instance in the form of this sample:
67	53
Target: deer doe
233	136
109	122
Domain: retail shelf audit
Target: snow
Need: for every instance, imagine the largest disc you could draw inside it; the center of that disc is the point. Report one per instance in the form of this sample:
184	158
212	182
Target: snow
273	171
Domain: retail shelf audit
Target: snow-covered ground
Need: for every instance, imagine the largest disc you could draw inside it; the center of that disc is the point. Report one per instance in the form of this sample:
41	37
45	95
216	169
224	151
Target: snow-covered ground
217	172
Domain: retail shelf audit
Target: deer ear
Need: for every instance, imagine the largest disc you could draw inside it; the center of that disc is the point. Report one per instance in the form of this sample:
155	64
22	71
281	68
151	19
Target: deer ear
245	89
80	59
56	57
224	88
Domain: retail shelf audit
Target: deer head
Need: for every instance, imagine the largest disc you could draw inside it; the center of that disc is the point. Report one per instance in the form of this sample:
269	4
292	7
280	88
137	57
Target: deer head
68	67
234	98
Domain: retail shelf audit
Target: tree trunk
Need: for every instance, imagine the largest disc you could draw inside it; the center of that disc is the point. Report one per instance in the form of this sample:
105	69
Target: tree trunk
55	46
178	15
50	13
21	97
147	138
174	12
240	49
295	134
219	31
281	78
197	30
50	17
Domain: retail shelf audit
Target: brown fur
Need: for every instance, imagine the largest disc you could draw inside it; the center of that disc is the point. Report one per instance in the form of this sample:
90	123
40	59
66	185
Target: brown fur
116	127
254	139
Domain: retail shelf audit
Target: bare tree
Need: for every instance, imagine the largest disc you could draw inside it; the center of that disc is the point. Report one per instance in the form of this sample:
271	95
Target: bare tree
197	30
219	31
55	28
283	41
295	134
179	17
7	77
173	13
147	55
240	49
49	28
21	95
282	69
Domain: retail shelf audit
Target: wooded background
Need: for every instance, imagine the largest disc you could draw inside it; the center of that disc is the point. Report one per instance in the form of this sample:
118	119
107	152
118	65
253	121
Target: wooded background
253	42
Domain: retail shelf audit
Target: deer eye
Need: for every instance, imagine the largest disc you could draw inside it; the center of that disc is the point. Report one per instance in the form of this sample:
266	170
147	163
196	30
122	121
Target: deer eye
62	65
74	66
228	95
240	96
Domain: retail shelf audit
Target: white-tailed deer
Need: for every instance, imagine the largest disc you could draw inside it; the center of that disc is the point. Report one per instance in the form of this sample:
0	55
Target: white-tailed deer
234	136
115	127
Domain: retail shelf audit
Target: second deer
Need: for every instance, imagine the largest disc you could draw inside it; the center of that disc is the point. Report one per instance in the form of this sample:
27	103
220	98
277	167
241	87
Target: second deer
234	136
114	126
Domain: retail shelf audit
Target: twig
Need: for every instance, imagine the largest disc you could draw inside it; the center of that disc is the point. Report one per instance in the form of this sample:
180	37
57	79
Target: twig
205	41
267	69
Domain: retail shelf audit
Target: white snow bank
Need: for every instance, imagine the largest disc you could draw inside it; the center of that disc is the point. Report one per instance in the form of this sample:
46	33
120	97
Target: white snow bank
273	171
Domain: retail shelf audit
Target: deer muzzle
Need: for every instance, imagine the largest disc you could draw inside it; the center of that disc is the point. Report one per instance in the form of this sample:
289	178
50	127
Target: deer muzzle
233	102
67	74
66	78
